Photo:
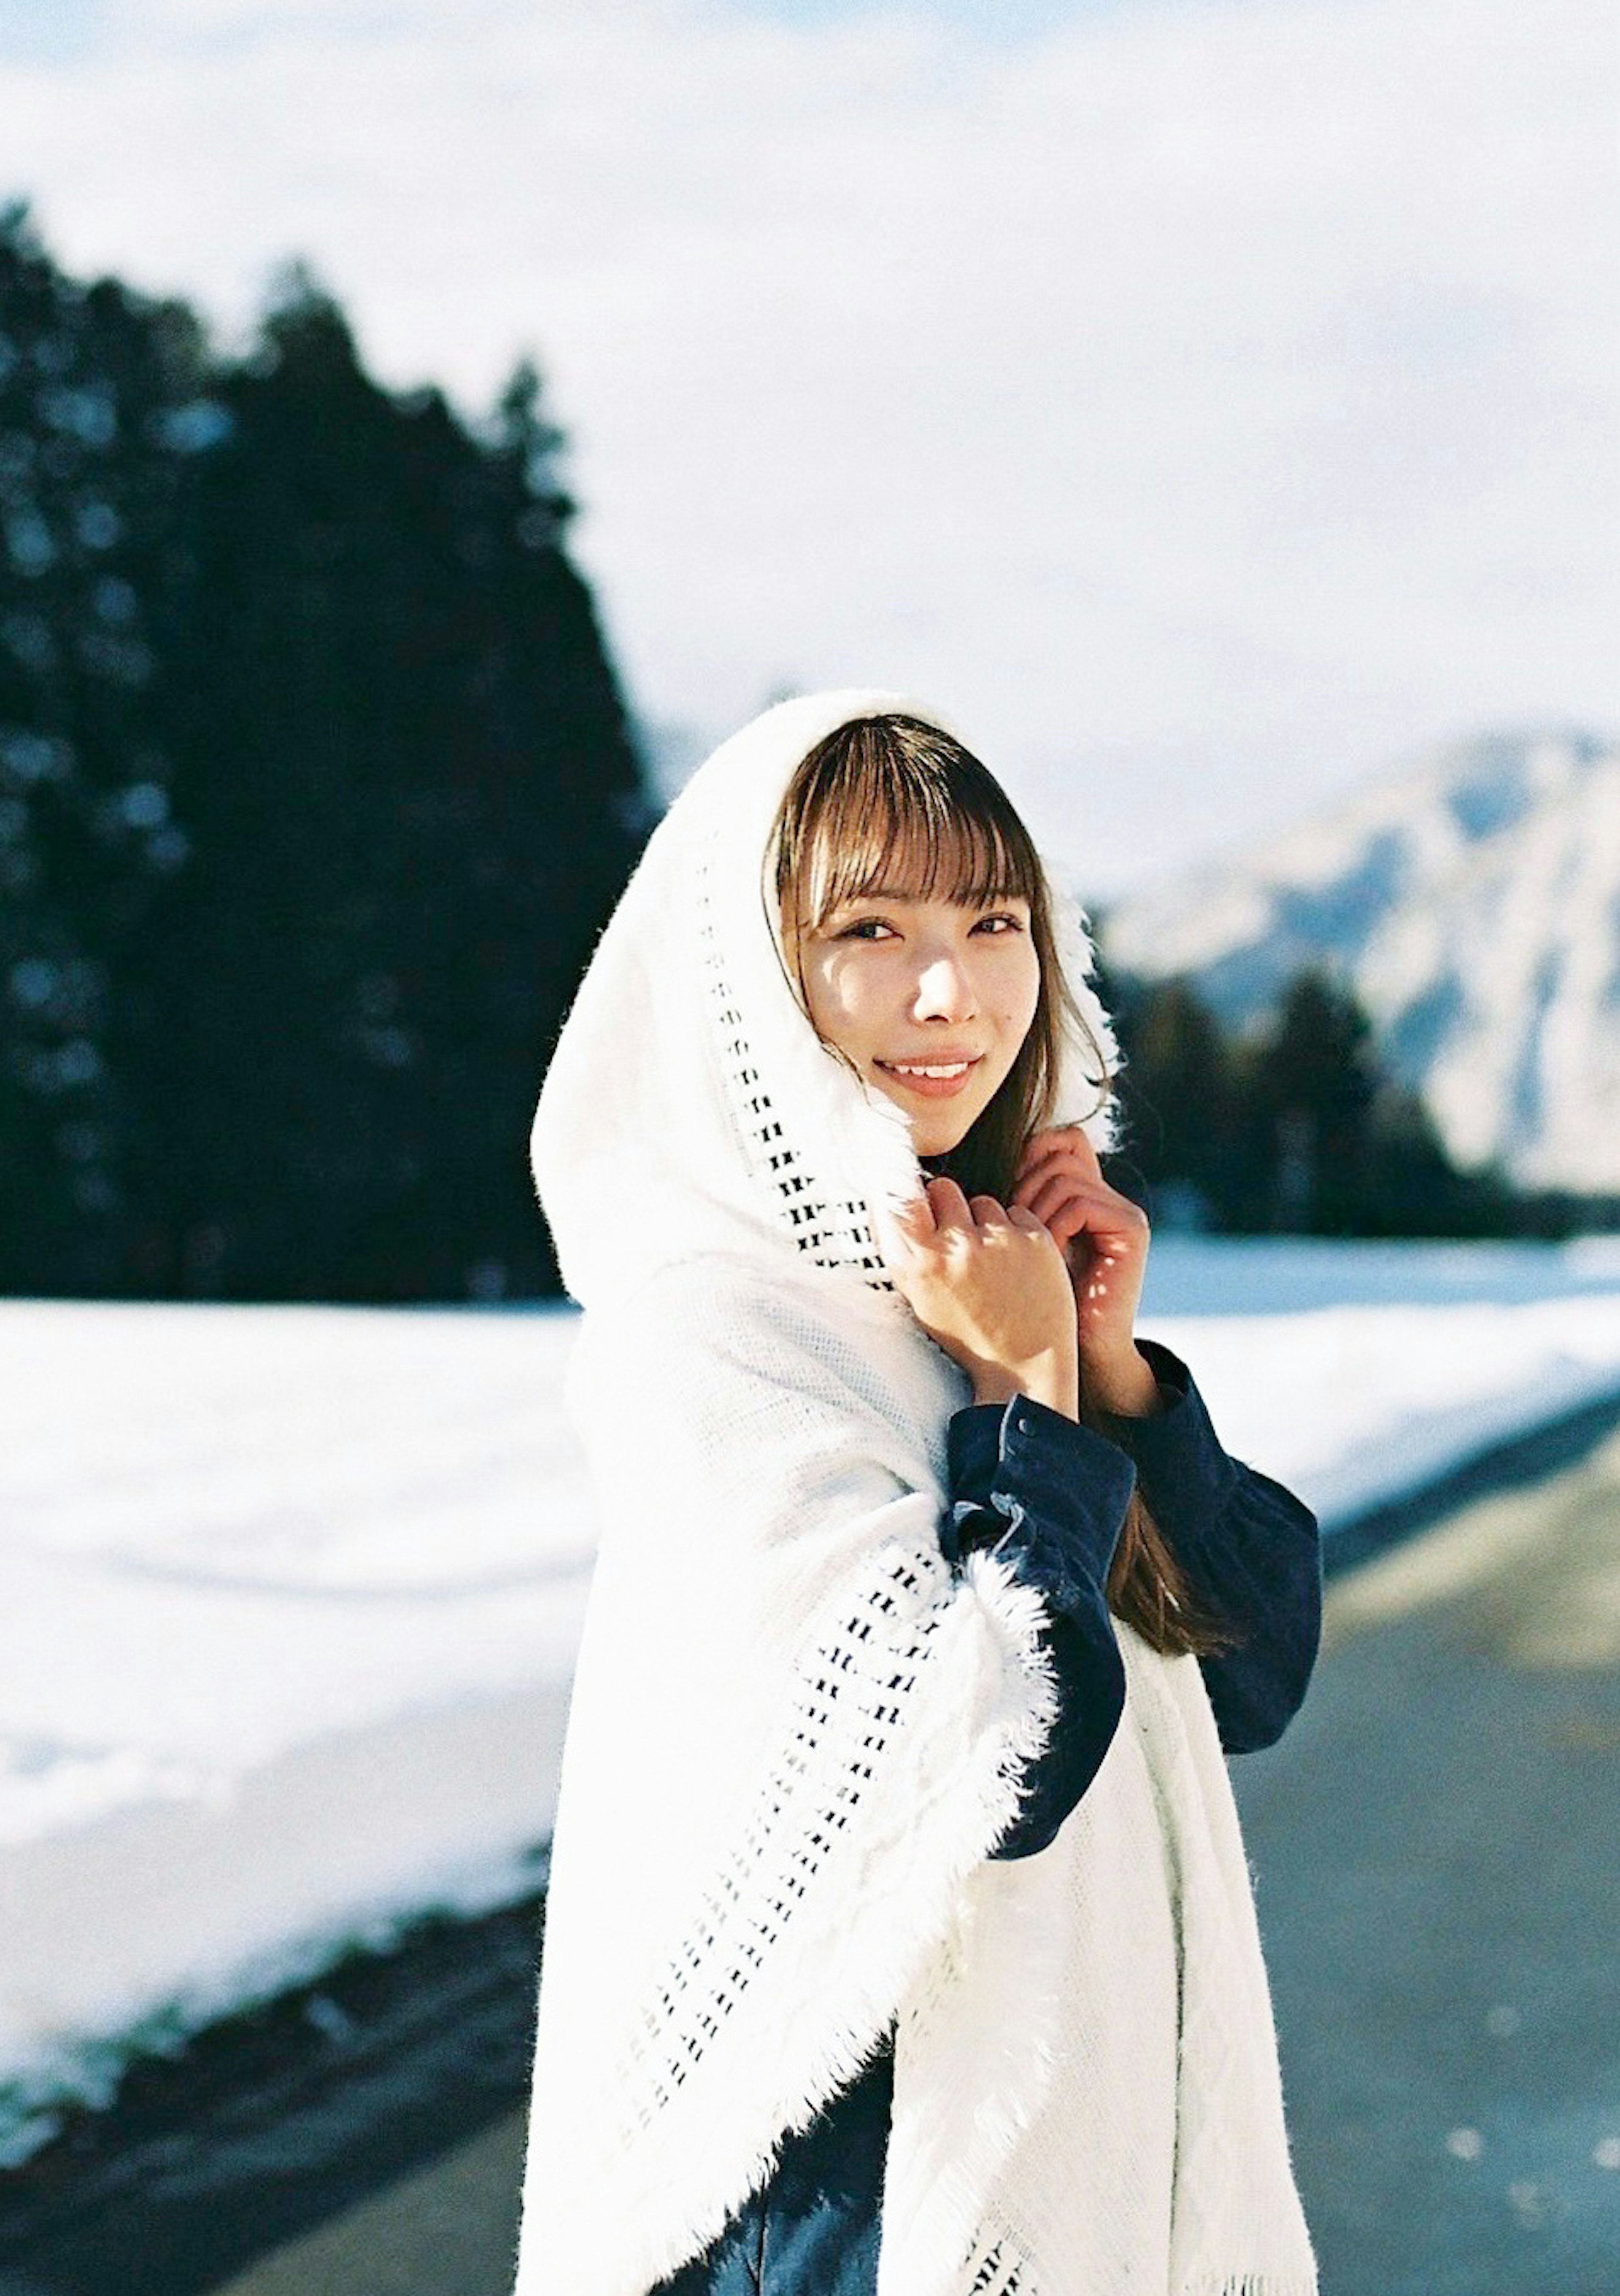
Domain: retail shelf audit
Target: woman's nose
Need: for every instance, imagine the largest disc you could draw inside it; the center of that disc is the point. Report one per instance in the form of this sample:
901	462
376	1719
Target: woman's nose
943	986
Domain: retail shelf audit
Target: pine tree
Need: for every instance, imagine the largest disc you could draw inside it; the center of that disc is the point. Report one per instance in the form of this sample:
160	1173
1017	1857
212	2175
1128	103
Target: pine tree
102	391
408	768
315	788
1307	1087
1179	1092
1294	1128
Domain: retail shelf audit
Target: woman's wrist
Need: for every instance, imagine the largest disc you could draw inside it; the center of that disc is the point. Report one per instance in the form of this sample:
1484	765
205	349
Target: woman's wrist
1053	1380
1125	1388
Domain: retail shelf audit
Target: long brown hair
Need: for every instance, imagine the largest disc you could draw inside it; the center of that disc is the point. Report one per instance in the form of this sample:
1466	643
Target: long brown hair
891	793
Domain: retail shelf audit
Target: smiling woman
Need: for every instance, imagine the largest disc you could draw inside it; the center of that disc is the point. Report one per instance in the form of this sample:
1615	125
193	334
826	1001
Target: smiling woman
917	926
900	1940
962	986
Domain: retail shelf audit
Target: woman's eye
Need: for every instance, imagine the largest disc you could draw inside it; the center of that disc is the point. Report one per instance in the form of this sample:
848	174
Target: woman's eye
859	932
1014	923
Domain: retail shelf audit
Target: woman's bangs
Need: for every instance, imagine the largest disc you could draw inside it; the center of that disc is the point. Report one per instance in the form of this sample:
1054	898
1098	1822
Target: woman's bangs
903	841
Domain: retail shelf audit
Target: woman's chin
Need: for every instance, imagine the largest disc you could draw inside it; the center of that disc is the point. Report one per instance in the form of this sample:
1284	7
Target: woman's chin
936	1130
934	1140
933	1133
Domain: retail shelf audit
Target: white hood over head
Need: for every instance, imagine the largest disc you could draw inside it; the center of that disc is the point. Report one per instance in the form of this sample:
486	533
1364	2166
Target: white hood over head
689	1105
796	1731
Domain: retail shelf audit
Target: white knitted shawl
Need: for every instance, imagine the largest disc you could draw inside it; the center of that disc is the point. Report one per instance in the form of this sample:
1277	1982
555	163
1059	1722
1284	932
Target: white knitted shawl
794	1737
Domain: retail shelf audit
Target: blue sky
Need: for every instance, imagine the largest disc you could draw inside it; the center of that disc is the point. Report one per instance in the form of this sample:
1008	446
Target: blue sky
49	30
995	22
1207	401
53	29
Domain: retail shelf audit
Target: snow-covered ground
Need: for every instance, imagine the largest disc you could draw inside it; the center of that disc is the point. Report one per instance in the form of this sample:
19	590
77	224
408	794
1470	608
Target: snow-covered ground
289	1596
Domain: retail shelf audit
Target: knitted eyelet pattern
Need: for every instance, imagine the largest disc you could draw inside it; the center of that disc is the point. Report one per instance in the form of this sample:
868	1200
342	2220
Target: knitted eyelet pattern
853	1689
831	1233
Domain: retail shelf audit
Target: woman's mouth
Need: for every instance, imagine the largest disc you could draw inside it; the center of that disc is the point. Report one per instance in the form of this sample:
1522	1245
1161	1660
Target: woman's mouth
931	1079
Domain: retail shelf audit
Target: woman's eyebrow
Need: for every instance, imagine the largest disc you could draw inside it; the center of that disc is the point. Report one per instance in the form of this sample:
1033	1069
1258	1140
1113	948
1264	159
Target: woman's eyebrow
898	893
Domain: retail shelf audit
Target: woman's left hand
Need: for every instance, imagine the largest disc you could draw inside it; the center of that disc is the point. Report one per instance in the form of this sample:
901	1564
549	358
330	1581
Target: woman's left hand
1105	1238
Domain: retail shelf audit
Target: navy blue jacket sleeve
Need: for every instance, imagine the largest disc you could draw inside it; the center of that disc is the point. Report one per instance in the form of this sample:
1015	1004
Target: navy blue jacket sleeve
1248	1545
1049	1496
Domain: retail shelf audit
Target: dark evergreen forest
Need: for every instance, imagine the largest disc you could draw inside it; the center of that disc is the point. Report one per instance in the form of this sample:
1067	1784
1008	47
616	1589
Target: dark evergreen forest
317	785
1293	1128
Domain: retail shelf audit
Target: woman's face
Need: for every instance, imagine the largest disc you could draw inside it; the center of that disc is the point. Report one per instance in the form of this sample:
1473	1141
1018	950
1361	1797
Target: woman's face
898	984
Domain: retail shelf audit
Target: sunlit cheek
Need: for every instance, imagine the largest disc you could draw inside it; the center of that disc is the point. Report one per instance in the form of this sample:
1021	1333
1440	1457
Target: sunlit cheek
839	1006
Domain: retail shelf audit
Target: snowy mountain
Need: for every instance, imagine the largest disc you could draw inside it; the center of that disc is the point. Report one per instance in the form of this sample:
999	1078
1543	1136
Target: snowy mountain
1472	900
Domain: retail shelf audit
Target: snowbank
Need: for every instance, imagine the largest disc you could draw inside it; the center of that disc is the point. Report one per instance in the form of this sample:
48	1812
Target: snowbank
290	1597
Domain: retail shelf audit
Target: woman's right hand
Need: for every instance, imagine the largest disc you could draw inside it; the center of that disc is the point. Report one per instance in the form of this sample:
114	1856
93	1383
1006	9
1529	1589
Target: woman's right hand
992	1288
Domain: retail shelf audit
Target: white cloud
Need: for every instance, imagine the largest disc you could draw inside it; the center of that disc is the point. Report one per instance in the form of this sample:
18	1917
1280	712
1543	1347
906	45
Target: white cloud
1202	405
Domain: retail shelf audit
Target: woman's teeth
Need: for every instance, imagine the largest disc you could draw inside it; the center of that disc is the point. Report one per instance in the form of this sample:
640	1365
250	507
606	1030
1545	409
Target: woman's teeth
931	1080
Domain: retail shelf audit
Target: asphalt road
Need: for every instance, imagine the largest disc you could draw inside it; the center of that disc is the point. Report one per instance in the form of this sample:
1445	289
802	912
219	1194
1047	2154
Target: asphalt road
1435	1843
448	2230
